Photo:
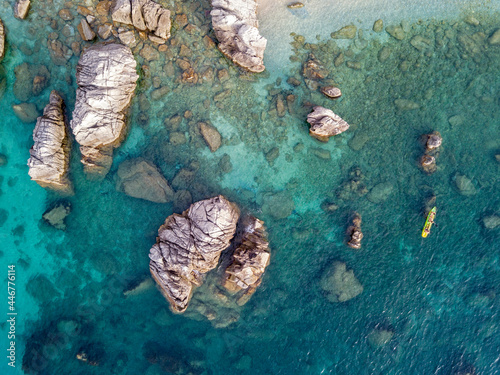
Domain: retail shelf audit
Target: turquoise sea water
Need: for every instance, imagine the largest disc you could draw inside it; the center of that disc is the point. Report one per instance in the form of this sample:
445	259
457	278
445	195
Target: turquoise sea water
438	296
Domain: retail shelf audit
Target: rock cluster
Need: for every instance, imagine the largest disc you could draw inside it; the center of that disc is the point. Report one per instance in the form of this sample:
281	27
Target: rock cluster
189	245
340	284
428	160
106	77
144	15
249	260
140	179
235	25
49	161
354	232
325	123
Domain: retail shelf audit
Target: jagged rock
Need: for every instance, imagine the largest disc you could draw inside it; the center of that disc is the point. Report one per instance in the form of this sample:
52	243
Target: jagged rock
340	284
140	179
56	215
21	9
85	30
2	40
250	258
434	140
106	77
189	245
354	232
465	185
491	222
128	38
211	136
314	70
325	123
26	112
428	163
104	31
235	25
144	15
49	161
331	92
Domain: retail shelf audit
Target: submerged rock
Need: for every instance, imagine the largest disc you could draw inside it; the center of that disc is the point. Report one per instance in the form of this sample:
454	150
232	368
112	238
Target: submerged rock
379	193
406	105
340	284
314	70
106	77
26	112
49	161
465	185
141	179
347	32
21	9
379	337
211	136
144	15
2	40
325	123
57	215
189	245
235	25
249	260
494	39
491	222
378	26
279	205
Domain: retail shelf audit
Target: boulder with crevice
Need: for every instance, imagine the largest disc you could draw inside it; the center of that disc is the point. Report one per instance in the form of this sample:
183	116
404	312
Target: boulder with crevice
189	245
144	15
49	160
236	27
106	77
325	124
139	178
249	260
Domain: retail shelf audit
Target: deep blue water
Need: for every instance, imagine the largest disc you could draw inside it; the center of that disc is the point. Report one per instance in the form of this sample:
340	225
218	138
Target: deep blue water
438	296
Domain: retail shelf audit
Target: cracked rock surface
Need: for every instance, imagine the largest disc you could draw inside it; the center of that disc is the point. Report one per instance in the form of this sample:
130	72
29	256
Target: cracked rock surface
49	160
189	245
106	77
325	123
235	25
250	258
144	15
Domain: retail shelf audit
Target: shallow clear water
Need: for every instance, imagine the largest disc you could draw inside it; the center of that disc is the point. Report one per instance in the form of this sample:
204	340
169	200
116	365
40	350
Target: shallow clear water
437	295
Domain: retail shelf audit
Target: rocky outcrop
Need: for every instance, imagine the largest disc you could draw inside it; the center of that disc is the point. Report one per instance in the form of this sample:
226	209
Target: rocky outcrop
144	15
106	77
432	144
340	284
2	40
428	163
354	232
235	25
249	260
189	245
434	141
49	161
21	9
325	124
141	179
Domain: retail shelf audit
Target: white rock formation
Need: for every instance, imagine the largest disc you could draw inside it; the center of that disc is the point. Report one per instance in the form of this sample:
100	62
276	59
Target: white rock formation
49	161
106	77
235	25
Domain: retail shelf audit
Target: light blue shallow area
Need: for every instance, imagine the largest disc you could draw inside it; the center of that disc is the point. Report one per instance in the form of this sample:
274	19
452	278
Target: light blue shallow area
439	296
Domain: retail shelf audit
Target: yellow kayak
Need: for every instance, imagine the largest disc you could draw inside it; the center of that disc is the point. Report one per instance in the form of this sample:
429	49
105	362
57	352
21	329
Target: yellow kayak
429	222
